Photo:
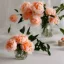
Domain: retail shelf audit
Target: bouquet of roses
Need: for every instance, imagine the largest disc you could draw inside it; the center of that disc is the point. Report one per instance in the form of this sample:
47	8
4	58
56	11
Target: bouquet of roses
31	11
38	13
23	44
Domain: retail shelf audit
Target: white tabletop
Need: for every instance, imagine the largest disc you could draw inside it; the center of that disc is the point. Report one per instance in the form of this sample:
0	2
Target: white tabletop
57	54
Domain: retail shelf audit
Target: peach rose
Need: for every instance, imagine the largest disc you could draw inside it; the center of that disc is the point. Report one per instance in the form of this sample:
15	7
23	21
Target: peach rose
24	6
50	11
54	20
62	38
20	38
38	7
13	18
35	20
28	47
27	14
11	45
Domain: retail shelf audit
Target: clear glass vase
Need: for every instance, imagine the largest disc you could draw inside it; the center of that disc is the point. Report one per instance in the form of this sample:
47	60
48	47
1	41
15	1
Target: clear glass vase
48	31
20	55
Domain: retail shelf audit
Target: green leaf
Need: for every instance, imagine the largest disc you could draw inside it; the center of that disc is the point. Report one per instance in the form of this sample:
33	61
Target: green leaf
22	30
43	47
61	5
32	38
62	30
28	31
20	14
60	8
61	17
37	47
55	6
21	19
9	29
48	46
16	10
49	53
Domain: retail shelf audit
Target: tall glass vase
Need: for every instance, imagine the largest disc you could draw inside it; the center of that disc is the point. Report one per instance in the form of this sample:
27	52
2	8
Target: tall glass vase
48	31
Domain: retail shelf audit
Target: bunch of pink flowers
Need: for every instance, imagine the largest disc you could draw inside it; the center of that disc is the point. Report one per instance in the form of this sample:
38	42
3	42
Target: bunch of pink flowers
25	44
50	11
34	11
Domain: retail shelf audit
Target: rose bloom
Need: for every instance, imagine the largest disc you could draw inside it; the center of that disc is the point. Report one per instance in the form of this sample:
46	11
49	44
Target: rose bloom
20	39
35	20
62	38
38	8
28	47
50	11
13	18
53	20
11	45
27	14
24	6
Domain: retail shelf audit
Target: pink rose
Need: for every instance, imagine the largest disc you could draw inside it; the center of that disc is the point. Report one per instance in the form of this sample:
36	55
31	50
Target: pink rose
35	20
62	38
27	14
20	39
38	8
50	11
13	18
24	6
11	45
28	47
53	20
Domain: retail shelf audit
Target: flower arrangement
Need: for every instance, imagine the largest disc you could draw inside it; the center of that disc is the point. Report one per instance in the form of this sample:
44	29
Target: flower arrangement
39	14
33	12
60	9
51	16
23	44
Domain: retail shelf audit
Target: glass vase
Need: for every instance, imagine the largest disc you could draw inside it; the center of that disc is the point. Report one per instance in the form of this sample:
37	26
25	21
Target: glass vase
20	55
48	31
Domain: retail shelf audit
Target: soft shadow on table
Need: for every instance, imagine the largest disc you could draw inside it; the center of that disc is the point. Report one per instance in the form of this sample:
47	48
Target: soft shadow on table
55	44
40	53
2	58
60	48
50	42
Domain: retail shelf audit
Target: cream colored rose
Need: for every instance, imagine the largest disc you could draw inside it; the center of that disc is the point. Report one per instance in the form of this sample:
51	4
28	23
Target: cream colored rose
50	11
38	7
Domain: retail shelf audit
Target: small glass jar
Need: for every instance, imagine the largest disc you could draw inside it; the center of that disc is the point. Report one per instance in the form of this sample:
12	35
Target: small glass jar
21	55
